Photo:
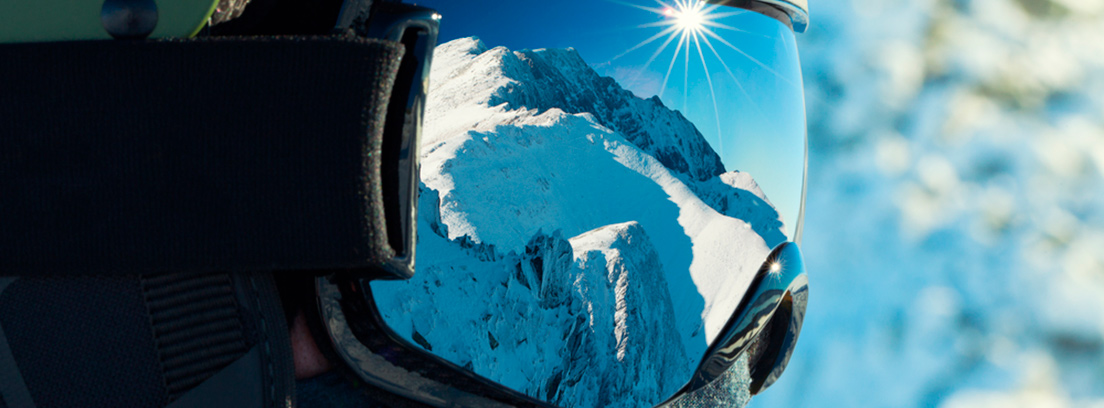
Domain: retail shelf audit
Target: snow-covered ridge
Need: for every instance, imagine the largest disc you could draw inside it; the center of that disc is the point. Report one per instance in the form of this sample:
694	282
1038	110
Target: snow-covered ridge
559	79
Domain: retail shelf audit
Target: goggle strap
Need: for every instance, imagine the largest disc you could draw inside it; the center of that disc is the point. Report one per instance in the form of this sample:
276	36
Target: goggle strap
126	157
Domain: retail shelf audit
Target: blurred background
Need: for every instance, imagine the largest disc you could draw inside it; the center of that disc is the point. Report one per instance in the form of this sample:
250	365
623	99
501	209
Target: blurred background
955	218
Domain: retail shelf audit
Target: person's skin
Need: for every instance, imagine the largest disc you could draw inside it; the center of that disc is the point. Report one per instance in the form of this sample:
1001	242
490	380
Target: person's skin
309	361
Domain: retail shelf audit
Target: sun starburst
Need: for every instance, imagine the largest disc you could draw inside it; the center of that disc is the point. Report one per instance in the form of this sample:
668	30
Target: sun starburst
688	24
688	15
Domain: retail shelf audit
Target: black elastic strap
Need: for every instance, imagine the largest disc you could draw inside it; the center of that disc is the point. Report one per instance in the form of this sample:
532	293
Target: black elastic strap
225	154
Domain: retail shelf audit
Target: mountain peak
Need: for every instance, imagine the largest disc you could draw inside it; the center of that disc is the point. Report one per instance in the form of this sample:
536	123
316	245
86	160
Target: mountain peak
469	45
550	78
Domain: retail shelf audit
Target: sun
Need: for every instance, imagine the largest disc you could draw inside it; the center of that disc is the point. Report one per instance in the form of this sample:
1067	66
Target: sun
692	27
688	15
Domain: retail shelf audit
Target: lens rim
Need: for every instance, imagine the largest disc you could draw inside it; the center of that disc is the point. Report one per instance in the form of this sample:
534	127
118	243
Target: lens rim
792	13
784	290
417	29
377	355
797	10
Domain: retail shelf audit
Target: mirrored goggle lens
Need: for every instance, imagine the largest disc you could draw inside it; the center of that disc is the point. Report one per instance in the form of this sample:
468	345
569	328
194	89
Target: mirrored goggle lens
762	331
601	183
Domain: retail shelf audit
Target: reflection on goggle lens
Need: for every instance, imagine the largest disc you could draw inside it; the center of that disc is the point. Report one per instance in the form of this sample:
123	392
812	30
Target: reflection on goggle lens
765	326
729	390
602	181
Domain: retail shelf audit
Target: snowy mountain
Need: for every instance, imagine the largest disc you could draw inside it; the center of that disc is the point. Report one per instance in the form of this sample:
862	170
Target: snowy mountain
575	242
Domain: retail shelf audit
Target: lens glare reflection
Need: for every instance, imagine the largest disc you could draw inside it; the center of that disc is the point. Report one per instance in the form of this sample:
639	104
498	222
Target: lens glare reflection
751	126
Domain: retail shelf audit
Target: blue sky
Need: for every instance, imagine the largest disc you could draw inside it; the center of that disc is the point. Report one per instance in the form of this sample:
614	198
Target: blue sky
755	123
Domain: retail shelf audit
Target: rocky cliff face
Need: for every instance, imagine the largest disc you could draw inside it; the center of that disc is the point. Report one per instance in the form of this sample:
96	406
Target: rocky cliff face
585	322
645	341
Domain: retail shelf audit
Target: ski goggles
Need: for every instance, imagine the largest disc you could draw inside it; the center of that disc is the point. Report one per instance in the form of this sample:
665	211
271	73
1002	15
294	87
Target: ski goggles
591	203
610	200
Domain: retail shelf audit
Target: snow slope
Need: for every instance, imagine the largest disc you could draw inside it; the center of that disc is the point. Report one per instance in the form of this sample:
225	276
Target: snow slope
554	241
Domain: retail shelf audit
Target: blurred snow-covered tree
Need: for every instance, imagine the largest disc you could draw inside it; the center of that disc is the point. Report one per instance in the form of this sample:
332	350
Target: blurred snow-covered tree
955	218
